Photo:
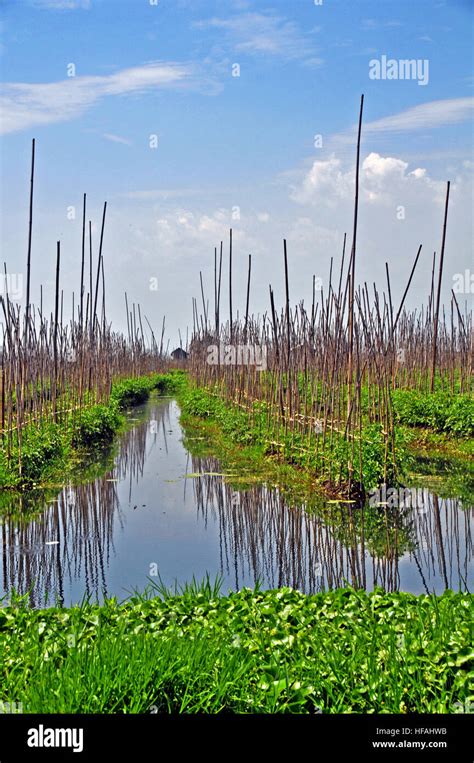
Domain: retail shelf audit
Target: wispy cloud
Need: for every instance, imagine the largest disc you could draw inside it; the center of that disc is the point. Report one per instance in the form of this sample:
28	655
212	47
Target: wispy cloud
372	24
161	194
61	5
266	34
116	138
29	105
423	117
426	115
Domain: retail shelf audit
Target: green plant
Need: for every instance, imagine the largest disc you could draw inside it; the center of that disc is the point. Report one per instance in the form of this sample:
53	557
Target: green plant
441	411
97	425
194	650
48	450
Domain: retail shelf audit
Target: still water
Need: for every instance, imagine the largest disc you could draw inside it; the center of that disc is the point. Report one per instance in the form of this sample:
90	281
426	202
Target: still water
162	513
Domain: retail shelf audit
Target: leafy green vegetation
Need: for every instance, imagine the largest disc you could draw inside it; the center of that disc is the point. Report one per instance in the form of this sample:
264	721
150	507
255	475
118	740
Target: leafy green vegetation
444	464
97	425
41	449
251	651
196	650
440	411
49	451
322	458
430	428
128	392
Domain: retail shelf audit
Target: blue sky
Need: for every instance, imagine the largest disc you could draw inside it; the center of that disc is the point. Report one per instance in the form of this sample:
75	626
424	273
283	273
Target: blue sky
234	150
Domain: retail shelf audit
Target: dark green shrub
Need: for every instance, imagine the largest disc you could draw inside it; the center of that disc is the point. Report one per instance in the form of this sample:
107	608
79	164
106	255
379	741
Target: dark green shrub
97	425
39	449
440	411
130	392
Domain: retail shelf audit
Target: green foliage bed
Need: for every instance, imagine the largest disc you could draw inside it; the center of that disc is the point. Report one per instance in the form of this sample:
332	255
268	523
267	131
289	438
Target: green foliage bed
328	461
49	448
441	411
438	416
345	651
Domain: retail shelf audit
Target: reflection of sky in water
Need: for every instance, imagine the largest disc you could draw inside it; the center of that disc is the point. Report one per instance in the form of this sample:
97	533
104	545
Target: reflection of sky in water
112	534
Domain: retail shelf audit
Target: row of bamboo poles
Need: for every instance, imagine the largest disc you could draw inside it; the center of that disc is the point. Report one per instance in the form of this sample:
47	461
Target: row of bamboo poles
53	365
311	386
333	366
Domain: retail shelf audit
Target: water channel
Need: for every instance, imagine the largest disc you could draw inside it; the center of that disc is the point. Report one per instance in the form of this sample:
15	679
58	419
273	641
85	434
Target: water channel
158	512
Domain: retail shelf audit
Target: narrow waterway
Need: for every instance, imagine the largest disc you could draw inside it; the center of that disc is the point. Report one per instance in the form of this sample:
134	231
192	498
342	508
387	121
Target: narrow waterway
161	513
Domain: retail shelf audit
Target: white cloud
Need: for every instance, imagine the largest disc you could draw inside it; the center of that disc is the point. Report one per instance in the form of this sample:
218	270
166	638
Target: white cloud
29	105
372	24
116	138
378	167
383	180
418	173
62	5
266	34
182	230
426	115
173	240
161	194
324	183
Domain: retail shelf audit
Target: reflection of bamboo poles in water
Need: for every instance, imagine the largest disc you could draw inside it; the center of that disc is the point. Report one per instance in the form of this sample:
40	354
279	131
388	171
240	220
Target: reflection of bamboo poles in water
73	537
442	532
439	538
133	453
262	537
